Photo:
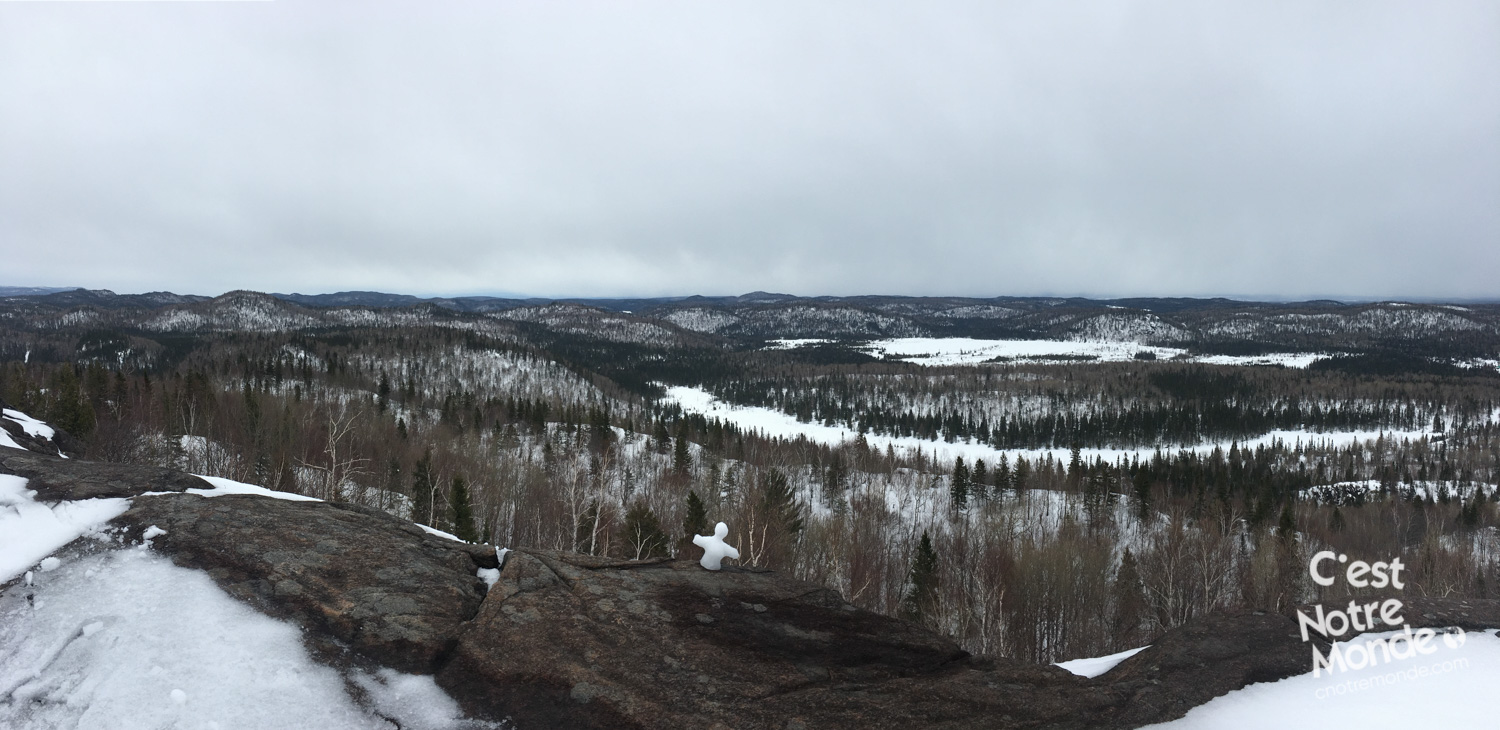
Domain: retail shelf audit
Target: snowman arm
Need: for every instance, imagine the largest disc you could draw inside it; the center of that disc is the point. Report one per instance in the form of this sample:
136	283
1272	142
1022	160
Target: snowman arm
730	552
698	540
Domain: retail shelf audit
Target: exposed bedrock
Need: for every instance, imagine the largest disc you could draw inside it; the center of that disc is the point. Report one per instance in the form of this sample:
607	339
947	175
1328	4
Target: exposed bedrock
572	641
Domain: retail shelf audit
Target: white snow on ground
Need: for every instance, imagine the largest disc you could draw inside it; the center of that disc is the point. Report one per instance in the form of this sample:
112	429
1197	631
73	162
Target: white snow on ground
224	486
439	533
30	530
970	351
778	424
1095	666
1286	359
1450	688
32	426
793	344
415	701
126	640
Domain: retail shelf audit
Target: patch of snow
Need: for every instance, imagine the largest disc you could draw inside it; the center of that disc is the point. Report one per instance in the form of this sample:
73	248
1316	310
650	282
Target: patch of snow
222	486
490	576
439	533
32	426
126	640
30	530
794	344
413	701
938	351
970	351
1095	666
1445	689
1299	360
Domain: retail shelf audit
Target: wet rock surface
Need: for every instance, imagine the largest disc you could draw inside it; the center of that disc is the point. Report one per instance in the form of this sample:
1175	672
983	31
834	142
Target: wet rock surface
573	641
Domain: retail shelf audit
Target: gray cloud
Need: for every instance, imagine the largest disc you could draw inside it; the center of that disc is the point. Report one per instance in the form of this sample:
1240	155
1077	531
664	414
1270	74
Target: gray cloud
1285	149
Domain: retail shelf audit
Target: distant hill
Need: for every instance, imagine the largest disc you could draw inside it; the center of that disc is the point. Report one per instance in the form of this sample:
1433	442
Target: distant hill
32	291
1210	326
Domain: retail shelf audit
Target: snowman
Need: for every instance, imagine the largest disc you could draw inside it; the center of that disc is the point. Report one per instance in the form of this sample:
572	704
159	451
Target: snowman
714	548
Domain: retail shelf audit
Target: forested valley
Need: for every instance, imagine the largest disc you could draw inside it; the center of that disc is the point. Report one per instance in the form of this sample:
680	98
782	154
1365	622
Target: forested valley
1092	505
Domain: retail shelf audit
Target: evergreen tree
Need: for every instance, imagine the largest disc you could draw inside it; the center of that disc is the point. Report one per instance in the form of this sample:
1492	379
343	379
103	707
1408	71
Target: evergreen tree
421	489
643	536
779	503
601	434
70	410
1130	602
1142	484
1289	565
979	481
834	478
695	519
682	458
661	441
383	392
920	602
959	488
1286	526
463	511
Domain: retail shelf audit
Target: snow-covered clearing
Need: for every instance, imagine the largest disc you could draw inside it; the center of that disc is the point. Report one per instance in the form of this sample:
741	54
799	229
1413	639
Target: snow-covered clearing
969	351
794	344
1445	689
1095	666
778	424
935	351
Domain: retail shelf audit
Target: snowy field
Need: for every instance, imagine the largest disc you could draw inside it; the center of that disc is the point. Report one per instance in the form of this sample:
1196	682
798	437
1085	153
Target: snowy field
778	424
969	351
1446	689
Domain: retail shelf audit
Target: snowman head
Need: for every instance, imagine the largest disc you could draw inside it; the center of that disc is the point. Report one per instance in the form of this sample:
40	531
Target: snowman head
721	531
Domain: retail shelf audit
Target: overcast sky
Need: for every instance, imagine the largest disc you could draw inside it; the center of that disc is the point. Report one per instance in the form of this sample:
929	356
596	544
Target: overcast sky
641	148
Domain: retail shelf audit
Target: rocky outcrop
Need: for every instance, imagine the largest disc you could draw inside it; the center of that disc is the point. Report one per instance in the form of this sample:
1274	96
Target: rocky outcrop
355	578
573	641
61	442
57	479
